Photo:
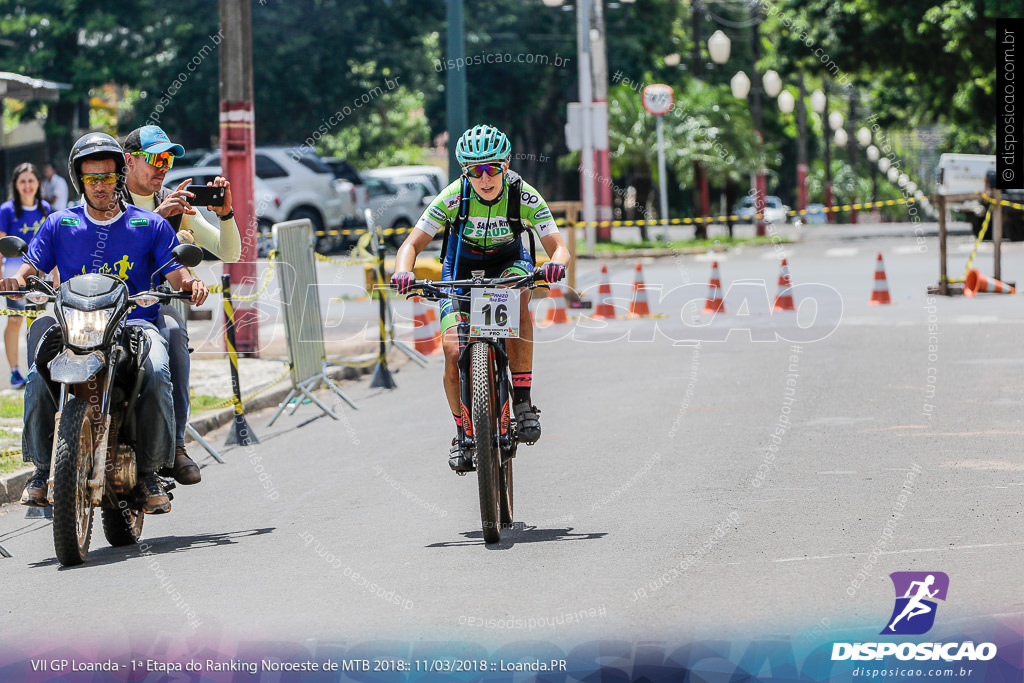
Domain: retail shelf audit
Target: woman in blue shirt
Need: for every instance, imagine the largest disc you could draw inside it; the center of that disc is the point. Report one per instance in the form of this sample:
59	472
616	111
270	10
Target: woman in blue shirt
21	215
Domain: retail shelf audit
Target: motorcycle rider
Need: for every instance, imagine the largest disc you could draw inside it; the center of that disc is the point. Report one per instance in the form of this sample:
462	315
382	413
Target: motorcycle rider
105	235
149	154
487	243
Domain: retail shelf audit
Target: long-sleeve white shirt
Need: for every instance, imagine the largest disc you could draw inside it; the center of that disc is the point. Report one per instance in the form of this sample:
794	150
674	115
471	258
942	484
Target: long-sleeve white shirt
225	242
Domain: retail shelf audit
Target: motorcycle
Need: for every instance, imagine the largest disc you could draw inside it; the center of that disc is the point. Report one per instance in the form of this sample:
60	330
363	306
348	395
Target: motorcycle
95	366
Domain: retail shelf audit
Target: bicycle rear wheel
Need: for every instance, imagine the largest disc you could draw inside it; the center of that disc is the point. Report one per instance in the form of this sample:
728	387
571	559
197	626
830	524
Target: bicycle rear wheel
485	439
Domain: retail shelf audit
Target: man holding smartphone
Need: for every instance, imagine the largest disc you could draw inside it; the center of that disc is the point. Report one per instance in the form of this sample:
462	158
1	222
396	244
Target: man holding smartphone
149	154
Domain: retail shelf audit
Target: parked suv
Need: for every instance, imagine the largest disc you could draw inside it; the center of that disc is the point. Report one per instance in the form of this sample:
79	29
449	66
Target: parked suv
306	188
268	205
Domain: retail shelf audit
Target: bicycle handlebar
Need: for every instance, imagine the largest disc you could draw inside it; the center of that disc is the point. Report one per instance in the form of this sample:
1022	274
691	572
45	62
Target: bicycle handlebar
433	290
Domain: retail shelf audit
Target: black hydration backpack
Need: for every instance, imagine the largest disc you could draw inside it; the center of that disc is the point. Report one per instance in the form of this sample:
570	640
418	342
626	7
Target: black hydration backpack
515	188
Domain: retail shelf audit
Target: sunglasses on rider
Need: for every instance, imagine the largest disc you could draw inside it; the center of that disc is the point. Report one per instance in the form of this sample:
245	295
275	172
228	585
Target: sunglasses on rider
158	160
97	178
478	170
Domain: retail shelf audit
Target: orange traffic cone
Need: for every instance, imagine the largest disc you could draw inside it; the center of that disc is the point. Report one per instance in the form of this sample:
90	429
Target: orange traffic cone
425	339
638	307
715	303
556	314
881	293
604	308
976	282
784	301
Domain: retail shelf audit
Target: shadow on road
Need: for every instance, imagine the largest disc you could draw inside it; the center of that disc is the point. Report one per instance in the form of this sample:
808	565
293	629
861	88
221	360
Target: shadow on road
520	533
161	545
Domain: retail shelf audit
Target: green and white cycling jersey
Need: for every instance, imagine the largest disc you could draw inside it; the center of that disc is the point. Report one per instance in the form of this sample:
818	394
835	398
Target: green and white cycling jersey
487	228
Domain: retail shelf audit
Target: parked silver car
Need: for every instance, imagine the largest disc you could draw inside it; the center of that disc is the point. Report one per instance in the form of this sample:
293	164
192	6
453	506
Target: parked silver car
269	208
393	206
306	187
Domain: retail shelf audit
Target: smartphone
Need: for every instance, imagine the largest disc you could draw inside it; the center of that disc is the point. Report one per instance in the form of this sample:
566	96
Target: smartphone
206	196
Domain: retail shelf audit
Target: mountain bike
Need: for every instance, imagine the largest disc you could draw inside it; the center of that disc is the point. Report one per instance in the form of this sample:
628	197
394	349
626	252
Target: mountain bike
489	424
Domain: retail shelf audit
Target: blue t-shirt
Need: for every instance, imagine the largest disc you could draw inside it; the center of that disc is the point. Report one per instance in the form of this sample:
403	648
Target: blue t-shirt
131	248
25	227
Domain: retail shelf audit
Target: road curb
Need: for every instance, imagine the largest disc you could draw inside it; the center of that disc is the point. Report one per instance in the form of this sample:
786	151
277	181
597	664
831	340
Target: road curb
11	485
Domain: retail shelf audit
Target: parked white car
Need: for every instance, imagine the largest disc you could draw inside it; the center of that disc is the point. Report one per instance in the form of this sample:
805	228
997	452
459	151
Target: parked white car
774	210
306	187
433	177
393	206
269	208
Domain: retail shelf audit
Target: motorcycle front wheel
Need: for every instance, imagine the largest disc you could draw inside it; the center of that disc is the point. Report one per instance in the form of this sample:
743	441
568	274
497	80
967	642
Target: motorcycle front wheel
73	461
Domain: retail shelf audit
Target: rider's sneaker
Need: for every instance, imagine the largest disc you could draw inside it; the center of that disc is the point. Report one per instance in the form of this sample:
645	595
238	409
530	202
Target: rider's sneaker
157	500
185	470
460	459
17	381
527	422
35	491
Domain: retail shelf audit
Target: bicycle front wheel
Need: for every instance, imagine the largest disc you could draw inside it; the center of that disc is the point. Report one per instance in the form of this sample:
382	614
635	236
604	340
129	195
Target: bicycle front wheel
485	439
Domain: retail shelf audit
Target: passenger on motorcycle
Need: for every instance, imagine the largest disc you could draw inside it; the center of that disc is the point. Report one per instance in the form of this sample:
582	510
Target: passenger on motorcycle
149	154
487	242
104	235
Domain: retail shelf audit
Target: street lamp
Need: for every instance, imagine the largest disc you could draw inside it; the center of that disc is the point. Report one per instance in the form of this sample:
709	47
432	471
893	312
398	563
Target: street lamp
884	164
819	102
740	84
893	174
864	136
719	47
772	83
873	155
672	59
841	138
786	102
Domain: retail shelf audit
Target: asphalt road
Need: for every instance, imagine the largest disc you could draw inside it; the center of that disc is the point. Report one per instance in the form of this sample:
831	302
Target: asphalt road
725	488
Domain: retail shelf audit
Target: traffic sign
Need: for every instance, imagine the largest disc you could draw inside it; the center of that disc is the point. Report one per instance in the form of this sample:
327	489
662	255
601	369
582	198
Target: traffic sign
657	99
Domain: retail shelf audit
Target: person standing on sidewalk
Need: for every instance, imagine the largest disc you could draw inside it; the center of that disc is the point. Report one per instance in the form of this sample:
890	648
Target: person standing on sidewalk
55	188
149	154
21	216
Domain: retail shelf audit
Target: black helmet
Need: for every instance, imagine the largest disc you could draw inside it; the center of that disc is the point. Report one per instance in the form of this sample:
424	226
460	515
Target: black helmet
100	146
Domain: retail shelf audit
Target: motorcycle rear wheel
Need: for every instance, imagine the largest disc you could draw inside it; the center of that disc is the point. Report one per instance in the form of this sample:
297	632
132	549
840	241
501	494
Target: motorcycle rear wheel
73	461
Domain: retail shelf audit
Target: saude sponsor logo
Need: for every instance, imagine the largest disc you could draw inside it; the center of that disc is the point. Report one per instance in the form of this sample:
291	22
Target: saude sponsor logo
914	613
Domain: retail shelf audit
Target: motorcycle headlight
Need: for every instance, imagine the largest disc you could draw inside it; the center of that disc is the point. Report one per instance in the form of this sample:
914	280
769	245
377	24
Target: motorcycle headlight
85	328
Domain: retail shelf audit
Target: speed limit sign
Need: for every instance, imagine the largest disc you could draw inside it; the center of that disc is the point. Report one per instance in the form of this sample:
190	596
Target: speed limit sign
657	99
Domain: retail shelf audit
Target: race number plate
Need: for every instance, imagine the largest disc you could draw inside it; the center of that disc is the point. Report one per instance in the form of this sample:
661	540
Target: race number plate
495	313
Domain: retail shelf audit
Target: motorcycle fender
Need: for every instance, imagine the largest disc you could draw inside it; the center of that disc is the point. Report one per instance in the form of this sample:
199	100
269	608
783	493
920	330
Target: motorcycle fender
69	367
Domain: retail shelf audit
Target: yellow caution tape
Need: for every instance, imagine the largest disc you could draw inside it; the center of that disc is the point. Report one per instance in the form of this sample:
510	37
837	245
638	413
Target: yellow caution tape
268	275
23	314
1002	202
361	231
7	452
733	217
974	252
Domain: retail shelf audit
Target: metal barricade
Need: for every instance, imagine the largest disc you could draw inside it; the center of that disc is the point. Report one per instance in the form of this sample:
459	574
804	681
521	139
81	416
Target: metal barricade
300	303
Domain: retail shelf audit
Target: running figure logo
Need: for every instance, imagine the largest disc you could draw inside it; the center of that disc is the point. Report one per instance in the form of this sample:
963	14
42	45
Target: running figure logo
916	593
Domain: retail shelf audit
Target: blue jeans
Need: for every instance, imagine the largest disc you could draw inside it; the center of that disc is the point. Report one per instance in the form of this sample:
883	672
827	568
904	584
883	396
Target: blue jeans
172	329
154	410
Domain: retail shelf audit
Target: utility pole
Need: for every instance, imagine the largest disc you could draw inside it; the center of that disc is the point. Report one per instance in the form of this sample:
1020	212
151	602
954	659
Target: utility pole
602	161
237	144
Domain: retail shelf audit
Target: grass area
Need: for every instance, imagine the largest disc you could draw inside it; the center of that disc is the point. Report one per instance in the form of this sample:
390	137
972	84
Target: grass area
11	406
10	463
201	402
612	247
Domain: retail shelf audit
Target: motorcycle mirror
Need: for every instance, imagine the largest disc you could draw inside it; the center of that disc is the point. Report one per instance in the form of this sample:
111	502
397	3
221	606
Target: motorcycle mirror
188	255
13	247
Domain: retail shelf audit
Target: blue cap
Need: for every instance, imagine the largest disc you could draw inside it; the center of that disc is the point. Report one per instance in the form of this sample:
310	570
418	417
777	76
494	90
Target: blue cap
151	139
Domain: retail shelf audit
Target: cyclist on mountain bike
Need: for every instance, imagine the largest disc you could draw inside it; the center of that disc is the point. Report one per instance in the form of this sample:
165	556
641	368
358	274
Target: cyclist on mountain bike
477	206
